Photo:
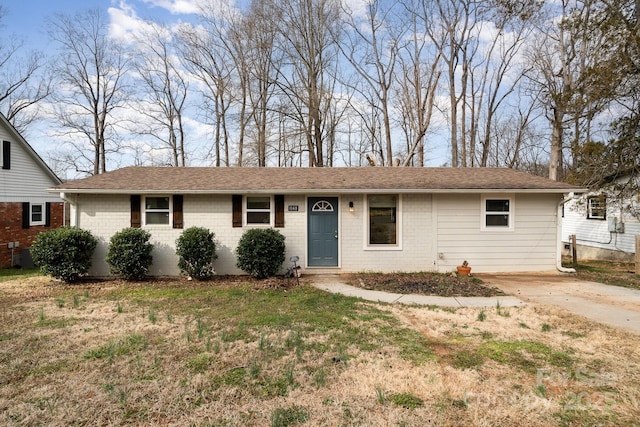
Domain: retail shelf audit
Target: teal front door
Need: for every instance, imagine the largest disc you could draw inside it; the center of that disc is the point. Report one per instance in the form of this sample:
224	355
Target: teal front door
322	232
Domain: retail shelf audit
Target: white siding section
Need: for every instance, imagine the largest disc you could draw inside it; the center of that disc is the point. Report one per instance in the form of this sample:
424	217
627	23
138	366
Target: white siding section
531	246
26	180
595	233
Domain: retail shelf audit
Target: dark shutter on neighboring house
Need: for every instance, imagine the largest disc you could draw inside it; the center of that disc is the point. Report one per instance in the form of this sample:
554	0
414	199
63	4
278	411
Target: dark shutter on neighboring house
279	205
47	214
135	211
26	214
236	201
177	211
6	155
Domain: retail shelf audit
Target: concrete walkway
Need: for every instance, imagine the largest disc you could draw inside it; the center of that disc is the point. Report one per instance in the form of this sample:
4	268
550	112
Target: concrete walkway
610	305
333	284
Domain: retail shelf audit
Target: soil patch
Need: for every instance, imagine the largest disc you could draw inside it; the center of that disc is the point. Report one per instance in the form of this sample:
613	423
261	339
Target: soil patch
445	285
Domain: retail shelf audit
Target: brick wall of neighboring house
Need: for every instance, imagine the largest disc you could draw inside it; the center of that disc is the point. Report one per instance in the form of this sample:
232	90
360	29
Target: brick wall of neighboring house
11	229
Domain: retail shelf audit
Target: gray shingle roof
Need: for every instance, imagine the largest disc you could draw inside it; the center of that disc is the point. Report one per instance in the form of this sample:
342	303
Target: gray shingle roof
310	180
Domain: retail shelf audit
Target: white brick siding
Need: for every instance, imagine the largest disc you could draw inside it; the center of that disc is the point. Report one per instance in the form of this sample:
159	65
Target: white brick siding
430	225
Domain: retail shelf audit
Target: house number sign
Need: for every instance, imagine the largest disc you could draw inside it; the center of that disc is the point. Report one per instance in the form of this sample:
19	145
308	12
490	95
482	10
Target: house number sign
293	208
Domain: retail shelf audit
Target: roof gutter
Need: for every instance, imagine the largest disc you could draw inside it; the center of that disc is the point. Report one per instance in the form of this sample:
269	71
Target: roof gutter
318	191
561	203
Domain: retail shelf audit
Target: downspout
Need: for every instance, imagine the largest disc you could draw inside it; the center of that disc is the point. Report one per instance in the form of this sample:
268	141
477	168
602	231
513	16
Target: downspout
559	235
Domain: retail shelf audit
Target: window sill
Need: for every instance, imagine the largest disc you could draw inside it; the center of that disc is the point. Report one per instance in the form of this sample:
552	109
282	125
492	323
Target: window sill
383	248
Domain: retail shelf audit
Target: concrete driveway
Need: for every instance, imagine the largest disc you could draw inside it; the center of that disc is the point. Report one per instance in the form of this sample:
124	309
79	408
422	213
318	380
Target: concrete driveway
610	305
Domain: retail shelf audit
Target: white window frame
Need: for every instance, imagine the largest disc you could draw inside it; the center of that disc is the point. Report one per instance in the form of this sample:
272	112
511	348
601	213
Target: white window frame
510	212
383	247
590	208
43	213
144	210
246	210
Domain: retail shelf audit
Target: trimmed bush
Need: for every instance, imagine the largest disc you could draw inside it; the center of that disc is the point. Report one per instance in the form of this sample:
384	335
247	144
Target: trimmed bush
261	252
197	251
129	253
64	253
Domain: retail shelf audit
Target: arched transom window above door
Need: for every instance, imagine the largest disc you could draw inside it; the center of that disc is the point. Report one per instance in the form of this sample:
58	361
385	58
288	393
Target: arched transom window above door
322	206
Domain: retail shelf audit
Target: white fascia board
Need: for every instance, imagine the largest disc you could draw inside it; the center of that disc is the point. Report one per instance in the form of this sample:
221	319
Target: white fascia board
328	191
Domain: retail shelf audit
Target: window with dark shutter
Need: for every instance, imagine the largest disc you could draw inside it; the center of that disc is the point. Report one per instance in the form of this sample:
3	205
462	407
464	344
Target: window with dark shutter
177	211
6	155
279	205
236	201
135	211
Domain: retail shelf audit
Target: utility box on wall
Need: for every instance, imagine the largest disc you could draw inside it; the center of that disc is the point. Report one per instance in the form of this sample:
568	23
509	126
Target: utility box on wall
615	226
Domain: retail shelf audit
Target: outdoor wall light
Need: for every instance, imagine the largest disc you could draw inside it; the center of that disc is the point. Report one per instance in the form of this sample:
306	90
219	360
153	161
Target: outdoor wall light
351	208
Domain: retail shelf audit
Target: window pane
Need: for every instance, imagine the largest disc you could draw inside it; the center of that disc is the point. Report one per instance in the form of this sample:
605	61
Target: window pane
258	202
597	207
36	213
497	205
497	221
382	201
258	217
157	203
157	217
382	220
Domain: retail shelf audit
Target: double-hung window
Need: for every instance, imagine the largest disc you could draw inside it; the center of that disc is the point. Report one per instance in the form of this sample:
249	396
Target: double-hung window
383	230
497	213
157	210
597	207
37	214
258	210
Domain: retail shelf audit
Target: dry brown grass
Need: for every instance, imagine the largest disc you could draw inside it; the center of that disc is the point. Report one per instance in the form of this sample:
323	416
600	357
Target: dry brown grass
207	354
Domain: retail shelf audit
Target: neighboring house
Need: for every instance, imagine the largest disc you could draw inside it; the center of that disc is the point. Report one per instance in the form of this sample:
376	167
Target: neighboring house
604	222
26	207
335	219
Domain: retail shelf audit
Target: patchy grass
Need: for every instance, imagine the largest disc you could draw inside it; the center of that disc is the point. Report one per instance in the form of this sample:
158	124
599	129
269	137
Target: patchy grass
16	273
247	353
610	273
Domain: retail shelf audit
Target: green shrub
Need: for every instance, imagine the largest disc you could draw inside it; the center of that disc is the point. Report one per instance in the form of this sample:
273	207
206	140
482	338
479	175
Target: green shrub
129	254
261	252
197	251
64	253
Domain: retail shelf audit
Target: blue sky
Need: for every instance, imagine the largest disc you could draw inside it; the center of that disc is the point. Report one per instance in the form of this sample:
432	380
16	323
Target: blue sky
27	18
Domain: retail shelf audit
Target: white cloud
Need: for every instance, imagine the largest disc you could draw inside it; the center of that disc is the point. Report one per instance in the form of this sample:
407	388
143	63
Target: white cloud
125	24
177	7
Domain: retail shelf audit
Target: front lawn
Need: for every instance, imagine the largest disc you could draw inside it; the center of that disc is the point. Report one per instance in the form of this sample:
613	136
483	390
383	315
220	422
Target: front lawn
270	353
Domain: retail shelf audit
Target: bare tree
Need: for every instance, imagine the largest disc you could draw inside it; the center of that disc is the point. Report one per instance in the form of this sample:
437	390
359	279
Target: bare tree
254	41
209	62
372	51
417	85
564	61
450	26
91	68
24	81
307	43
499	72
163	90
